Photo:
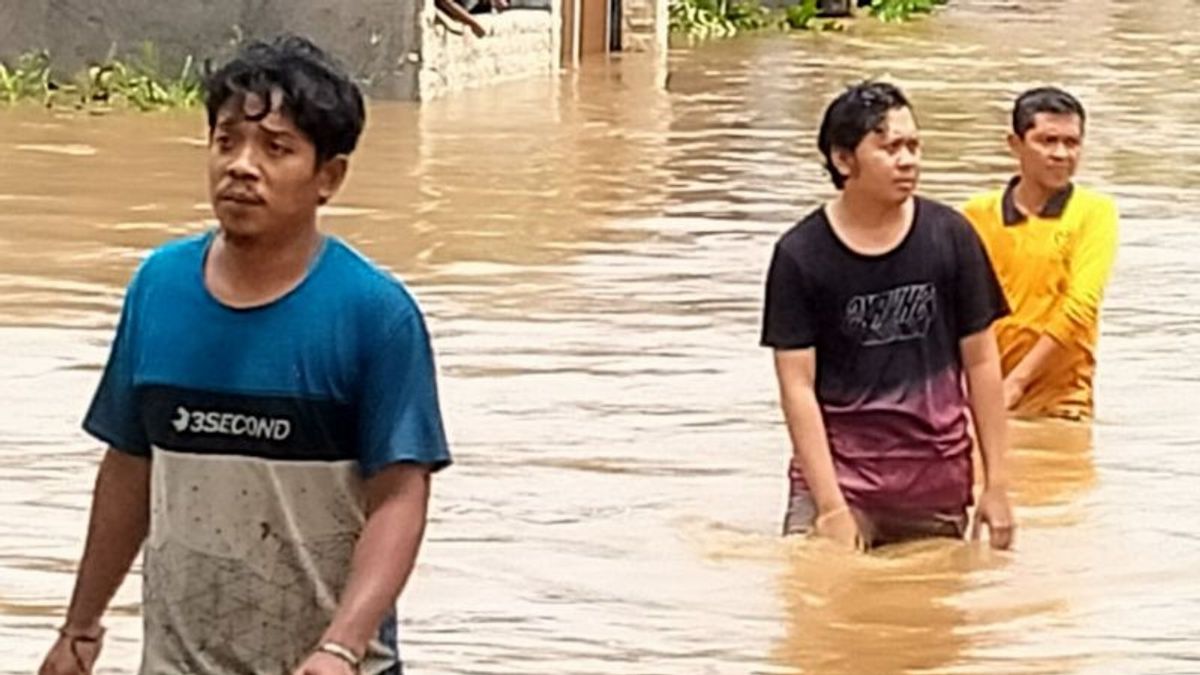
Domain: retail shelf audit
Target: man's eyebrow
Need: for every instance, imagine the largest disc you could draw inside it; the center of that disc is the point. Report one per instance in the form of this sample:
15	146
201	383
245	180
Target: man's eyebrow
278	131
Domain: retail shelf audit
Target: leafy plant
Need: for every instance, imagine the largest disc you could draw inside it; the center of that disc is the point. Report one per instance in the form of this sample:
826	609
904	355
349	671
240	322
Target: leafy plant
138	82
902	10
701	18
28	78
723	18
749	15
801	16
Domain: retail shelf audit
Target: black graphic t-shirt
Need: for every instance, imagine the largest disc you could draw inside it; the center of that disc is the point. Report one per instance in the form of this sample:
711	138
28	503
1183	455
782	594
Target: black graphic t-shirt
886	329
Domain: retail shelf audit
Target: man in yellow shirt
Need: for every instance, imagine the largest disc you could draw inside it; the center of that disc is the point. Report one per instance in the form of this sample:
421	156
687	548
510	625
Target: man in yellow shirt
1052	244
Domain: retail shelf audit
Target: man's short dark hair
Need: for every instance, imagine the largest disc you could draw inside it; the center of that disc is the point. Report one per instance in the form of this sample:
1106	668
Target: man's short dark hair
315	92
858	111
1044	100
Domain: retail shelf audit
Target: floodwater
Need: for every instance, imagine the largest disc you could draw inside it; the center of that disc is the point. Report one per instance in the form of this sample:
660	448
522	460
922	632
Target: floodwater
590	252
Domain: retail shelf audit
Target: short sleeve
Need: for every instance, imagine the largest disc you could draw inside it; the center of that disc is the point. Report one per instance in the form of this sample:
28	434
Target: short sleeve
114	416
978	297
788	319
400	418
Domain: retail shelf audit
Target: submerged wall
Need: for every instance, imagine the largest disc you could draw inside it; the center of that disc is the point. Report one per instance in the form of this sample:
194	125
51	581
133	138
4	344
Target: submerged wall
376	39
520	43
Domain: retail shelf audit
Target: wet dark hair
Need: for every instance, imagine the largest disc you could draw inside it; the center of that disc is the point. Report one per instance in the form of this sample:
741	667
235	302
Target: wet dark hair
315	92
858	111
1044	100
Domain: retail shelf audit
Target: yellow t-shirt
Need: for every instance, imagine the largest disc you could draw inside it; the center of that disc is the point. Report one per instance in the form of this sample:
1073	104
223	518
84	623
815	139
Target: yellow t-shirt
1053	267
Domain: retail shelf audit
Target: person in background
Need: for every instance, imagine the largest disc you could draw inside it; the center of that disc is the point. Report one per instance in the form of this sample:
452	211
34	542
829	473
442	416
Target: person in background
1052	243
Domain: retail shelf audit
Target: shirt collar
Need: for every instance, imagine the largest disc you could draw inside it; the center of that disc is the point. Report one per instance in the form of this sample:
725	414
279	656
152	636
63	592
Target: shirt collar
1053	208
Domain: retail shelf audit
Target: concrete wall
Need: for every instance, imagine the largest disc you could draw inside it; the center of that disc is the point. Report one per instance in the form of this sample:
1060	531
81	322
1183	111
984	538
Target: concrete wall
520	43
403	49
644	25
375	39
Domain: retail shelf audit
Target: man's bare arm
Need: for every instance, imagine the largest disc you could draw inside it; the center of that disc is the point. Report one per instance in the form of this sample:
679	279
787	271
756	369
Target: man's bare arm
120	519
796	371
981	361
397	501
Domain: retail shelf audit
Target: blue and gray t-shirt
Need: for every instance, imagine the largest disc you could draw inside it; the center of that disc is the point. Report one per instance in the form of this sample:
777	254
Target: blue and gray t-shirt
262	424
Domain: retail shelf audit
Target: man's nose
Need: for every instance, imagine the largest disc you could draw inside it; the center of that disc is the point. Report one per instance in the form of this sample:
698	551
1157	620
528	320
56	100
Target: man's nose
244	163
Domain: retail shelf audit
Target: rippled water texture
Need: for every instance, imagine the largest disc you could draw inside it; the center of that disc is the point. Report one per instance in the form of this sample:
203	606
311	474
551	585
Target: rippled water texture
590	253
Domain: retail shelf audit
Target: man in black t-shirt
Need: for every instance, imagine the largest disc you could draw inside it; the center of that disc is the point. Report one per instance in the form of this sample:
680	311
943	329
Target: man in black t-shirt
879	307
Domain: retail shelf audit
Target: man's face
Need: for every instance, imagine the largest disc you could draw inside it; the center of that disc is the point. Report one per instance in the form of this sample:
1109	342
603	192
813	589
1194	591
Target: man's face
263	178
887	163
1050	150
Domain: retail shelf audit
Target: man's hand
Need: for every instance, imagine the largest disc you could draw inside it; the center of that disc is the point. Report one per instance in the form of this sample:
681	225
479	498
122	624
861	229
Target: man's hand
320	663
840	527
995	511
71	655
1014	391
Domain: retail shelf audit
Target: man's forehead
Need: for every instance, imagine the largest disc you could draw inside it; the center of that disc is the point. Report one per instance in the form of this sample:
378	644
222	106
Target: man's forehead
1059	123
897	125
249	108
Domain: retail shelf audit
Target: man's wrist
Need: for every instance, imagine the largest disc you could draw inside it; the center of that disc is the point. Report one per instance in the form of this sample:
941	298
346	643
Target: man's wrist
994	483
345	637
345	654
82	629
830	503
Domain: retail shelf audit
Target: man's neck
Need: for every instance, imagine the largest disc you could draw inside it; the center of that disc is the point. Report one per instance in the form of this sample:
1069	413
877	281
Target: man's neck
866	214
870	226
1030	196
251	271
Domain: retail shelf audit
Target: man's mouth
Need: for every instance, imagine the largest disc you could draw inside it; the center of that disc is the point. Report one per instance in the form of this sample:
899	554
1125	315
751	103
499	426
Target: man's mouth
238	197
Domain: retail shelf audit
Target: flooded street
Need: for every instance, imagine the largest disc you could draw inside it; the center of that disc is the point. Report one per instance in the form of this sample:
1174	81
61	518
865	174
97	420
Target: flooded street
590	253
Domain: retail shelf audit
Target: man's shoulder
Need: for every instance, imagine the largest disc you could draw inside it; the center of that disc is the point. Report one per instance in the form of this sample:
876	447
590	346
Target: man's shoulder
175	255
1092	199
985	199
941	216
983	206
366	281
938	210
169	263
805	232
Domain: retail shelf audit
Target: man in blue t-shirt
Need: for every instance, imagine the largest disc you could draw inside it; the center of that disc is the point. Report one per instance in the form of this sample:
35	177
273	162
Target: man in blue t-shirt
271	410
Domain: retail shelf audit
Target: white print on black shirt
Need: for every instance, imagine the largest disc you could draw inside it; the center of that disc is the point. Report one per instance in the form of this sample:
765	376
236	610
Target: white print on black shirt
895	315
231	424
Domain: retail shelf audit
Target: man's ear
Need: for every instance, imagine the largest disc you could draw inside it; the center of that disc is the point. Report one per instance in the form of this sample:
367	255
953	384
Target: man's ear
1015	144
844	161
330	176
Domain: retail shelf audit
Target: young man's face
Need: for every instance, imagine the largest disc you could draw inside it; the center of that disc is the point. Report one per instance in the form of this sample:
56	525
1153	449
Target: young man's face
1049	152
263	177
886	163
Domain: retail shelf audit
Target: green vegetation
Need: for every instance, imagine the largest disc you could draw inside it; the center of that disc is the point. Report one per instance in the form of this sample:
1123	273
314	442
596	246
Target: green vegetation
716	18
800	16
723	18
137	82
902	10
